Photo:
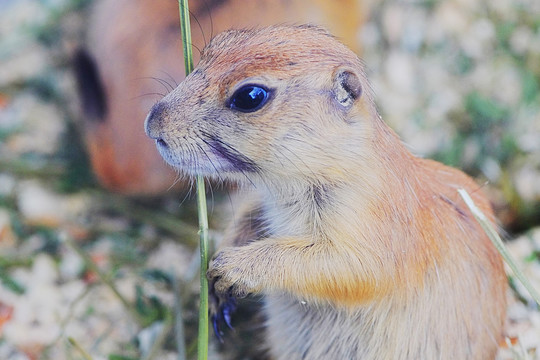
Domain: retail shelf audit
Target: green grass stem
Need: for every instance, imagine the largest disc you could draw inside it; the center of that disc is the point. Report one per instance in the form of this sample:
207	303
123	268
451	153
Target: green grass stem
202	340
85	355
202	352
496	239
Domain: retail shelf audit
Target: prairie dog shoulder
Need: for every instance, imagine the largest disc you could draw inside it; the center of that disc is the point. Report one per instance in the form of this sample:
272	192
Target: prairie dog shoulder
355	239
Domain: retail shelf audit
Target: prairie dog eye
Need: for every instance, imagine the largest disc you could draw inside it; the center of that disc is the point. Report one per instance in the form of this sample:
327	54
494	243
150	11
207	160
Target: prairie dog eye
249	98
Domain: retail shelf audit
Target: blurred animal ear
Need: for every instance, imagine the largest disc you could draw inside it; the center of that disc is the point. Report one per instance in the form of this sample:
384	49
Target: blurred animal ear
347	87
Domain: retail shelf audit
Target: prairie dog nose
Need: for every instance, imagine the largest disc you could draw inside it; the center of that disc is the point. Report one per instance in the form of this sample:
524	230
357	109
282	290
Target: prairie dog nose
152	124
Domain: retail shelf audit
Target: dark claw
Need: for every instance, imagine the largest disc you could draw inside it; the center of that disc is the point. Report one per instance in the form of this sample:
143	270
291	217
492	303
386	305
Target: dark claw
223	315
217	331
227	308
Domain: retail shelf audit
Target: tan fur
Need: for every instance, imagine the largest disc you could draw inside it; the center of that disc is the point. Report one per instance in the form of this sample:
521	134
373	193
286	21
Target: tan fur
363	250
135	40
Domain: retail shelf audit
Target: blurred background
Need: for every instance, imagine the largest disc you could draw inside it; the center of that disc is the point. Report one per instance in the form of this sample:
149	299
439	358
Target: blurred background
98	236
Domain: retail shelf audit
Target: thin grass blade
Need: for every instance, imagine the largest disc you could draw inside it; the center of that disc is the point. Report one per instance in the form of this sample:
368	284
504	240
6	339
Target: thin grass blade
496	239
202	341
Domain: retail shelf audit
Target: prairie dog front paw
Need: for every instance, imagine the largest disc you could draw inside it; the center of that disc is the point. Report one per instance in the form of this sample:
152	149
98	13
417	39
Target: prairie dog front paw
228	276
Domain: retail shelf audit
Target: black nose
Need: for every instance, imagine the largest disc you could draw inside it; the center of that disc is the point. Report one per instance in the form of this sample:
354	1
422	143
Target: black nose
152	124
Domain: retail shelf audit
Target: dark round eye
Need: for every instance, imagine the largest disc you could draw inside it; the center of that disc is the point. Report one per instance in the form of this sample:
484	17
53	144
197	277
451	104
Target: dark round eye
249	98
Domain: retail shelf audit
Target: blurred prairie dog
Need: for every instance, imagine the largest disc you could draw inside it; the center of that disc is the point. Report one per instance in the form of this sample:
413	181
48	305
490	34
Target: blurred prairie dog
132	41
362	250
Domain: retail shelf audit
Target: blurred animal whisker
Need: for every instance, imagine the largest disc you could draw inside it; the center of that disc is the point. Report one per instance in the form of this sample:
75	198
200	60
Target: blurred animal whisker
147	94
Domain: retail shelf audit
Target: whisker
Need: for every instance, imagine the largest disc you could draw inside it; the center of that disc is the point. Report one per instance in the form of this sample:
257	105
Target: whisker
162	82
211	20
299	158
217	174
196	47
210	160
239	169
179	177
168	87
229	152
200	27
170	77
278	149
192	156
248	179
189	192
147	94
209	183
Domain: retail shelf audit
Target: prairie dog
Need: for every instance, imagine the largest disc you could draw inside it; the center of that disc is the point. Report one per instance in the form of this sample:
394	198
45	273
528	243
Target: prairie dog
362	250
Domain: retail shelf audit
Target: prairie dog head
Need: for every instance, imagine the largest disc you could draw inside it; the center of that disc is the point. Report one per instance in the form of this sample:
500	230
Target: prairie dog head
279	103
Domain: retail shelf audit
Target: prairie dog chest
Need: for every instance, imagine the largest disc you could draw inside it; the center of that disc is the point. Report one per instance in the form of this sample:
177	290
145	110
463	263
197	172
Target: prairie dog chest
292	215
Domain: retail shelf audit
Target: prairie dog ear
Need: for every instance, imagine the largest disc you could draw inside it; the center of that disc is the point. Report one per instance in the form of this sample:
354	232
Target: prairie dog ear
347	87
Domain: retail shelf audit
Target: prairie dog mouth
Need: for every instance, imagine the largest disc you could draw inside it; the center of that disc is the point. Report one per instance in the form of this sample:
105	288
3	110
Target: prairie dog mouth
208	155
228	153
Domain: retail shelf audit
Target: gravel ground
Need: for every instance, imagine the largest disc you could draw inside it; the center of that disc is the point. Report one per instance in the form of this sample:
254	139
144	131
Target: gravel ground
458	79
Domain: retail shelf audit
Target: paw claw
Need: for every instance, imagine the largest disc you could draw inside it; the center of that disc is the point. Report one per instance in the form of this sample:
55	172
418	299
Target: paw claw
217	330
228	281
223	314
226	309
